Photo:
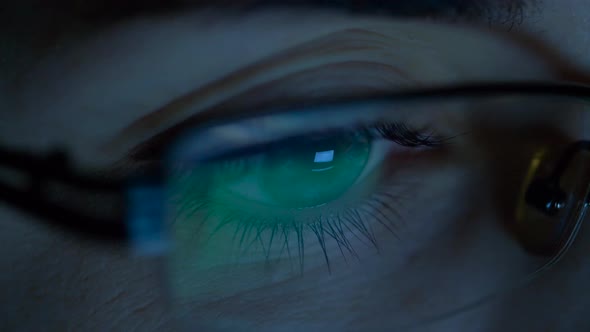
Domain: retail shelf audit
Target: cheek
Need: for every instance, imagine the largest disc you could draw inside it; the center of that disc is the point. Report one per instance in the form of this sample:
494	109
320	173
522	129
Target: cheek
52	282
553	302
399	285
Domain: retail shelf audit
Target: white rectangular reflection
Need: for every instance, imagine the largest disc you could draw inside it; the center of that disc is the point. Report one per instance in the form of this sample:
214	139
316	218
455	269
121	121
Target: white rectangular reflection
324	156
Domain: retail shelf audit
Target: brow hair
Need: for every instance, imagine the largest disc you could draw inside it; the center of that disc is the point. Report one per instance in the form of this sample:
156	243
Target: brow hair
494	11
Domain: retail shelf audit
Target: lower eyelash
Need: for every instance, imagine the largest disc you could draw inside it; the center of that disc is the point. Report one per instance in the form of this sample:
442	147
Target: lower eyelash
353	223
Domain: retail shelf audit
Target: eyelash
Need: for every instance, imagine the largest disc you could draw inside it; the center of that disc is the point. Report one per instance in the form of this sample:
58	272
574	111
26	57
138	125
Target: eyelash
377	205
397	132
403	135
351	220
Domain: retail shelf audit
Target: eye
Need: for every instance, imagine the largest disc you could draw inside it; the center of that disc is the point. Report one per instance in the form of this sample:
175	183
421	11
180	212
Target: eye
304	174
295	187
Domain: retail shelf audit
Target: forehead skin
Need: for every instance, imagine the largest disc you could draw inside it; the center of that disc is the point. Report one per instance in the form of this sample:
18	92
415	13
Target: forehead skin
68	284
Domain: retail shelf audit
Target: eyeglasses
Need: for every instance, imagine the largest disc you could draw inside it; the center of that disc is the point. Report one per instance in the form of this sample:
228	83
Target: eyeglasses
460	192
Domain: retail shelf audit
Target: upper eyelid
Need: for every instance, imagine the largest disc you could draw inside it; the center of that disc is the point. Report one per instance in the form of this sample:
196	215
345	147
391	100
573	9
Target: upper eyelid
338	41
242	111
250	131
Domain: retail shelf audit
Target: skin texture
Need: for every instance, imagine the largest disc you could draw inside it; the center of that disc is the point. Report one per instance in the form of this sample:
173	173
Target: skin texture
103	80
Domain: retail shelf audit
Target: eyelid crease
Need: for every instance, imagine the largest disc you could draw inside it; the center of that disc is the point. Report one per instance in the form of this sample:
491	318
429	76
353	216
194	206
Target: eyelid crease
338	43
386	77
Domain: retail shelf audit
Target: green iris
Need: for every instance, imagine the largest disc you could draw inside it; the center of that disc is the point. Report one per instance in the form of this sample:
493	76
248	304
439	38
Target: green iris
308	173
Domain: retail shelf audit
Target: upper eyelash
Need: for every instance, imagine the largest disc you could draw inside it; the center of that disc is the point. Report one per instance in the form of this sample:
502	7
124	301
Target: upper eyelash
401	134
396	132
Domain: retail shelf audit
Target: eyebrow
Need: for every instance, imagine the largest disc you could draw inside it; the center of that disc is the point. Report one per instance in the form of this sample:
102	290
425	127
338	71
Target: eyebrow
506	12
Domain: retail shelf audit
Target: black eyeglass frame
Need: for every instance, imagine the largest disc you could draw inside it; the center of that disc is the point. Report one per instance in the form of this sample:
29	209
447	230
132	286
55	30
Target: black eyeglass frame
544	194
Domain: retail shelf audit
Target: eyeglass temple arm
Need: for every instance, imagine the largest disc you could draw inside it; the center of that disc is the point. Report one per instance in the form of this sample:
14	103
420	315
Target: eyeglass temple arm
545	194
29	196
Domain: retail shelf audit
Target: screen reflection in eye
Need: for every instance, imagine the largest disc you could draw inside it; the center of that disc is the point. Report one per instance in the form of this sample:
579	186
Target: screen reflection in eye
318	184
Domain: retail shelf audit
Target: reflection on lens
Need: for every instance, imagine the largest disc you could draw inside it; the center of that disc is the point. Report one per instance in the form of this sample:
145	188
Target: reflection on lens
433	232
